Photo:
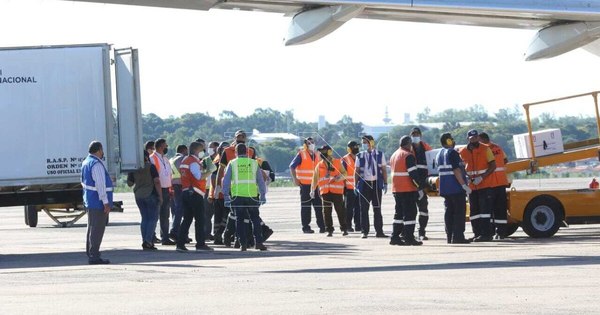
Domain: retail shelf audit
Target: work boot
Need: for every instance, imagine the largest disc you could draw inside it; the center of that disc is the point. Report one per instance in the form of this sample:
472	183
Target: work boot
412	242
267	232
260	246
396	241
218	240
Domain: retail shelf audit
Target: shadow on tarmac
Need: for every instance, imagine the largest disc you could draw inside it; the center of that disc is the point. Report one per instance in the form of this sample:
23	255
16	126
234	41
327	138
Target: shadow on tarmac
166	256
518	263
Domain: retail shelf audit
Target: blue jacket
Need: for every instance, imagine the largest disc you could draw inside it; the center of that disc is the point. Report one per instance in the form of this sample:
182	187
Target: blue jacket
447	160
91	199
361	170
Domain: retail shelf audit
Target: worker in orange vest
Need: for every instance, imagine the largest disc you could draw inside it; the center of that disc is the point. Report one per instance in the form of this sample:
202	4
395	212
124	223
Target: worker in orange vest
498	191
302	170
351	199
330	176
480	165
407	188
419	148
193	183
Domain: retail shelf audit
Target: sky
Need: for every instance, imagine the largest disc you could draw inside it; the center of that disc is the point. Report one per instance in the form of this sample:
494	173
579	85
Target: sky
197	61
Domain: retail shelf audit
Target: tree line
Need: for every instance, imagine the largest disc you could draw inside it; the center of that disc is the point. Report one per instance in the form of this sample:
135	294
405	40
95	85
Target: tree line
501	126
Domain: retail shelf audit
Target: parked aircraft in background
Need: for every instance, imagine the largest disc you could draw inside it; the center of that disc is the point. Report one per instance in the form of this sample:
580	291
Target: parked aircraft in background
563	25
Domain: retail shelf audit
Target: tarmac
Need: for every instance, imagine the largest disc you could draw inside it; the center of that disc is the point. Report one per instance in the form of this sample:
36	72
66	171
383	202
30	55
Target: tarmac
44	270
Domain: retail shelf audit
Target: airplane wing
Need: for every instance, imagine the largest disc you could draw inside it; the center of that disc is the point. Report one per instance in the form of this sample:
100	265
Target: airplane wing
563	25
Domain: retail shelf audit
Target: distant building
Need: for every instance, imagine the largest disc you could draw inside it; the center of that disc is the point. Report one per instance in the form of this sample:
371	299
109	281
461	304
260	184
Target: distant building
321	123
261	137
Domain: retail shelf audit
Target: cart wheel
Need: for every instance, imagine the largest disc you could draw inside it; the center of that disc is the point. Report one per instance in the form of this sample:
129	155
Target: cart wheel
542	217
31	215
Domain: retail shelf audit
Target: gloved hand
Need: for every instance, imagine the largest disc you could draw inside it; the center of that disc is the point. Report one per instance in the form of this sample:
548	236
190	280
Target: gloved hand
227	202
467	189
477	180
421	194
385	188
262	200
312	194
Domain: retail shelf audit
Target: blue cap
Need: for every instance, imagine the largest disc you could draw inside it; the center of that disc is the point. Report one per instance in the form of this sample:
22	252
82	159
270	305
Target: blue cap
472	133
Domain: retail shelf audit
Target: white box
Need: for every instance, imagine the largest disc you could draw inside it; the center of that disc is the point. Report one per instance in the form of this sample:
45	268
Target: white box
430	157
545	142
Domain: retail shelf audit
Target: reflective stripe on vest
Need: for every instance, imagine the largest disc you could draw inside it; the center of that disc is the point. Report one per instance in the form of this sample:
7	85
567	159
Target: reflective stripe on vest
326	183
476	164
243	177
188	181
500	171
306	169
401	181
91	199
448	184
350	169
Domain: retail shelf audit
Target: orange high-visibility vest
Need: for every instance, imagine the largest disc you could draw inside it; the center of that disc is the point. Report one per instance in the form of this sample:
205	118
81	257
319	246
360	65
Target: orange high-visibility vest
230	153
476	163
500	171
401	181
188	181
350	169
306	169
326	182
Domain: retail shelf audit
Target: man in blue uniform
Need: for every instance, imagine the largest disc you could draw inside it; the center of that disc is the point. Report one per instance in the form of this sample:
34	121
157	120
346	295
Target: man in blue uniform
98	200
454	188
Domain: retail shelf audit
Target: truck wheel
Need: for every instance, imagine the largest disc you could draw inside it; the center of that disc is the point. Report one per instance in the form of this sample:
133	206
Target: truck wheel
542	217
31	216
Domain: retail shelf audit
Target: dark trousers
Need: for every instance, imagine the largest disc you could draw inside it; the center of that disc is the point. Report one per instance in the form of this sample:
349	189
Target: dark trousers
405	215
246	210
499	207
165	212
370	194
176	210
193	209
423	214
95	232
337	201
221	214
454	216
352	209
480	212
149	211
209	212
305	206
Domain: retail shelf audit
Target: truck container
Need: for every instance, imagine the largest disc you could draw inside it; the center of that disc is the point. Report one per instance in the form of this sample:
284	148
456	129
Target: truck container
55	100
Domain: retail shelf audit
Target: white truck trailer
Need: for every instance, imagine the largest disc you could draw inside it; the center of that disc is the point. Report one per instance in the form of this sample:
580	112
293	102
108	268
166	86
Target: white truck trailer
54	101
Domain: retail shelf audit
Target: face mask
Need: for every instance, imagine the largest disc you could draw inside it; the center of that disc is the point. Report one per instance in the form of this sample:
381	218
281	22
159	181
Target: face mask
415	139
364	146
355	150
166	151
201	154
211	151
311	147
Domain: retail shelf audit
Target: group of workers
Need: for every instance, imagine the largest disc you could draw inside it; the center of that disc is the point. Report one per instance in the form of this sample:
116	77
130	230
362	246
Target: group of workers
229	182
223	180
354	182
